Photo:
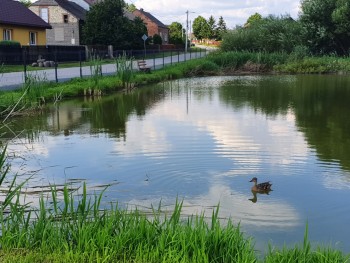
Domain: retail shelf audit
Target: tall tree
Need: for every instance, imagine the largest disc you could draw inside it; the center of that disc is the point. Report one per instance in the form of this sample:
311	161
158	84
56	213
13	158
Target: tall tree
27	3
253	19
212	27
221	28
176	33
326	25
106	24
201	28
130	7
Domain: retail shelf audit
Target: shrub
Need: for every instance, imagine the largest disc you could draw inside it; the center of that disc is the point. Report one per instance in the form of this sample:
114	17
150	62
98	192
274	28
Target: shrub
10	43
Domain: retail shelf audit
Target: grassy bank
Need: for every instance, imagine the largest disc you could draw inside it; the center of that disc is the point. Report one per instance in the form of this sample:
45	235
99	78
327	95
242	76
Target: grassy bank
37	92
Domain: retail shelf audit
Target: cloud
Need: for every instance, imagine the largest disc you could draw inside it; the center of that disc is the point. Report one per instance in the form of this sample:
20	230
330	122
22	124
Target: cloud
233	12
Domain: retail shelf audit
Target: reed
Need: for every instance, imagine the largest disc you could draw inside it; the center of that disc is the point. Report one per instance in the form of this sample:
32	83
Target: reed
125	70
95	64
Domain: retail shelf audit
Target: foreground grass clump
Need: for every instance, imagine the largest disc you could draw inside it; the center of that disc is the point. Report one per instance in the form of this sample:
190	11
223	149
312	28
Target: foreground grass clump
79	231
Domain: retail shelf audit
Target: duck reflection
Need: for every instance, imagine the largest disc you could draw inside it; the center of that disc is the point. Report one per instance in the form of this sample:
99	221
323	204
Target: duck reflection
255	195
262	188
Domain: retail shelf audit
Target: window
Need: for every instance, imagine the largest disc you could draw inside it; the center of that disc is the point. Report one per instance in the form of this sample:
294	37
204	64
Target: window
7	34
65	18
32	38
44	14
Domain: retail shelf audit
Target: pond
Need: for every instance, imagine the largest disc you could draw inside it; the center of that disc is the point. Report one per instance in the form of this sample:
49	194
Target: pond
202	140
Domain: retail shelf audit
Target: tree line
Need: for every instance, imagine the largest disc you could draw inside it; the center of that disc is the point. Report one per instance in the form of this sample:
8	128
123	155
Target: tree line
323	27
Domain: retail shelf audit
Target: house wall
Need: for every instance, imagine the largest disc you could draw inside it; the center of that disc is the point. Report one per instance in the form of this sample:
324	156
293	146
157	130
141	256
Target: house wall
61	33
21	34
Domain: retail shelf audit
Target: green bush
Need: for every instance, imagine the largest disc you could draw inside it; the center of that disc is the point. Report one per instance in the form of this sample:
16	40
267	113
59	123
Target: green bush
9	43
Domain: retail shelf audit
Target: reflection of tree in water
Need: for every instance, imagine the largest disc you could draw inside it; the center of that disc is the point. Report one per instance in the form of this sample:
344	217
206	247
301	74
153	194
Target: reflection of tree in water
320	103
112	113
106	114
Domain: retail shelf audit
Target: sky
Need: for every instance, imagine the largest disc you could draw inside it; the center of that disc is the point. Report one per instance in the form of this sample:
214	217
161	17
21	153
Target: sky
234	12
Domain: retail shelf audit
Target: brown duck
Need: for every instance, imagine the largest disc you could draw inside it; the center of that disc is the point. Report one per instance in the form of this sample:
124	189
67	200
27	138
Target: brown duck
262	187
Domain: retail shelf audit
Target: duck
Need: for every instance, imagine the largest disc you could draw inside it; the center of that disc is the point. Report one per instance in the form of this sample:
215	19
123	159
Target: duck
262	187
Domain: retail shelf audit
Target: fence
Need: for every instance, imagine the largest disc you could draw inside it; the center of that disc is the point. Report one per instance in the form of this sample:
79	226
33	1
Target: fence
154	58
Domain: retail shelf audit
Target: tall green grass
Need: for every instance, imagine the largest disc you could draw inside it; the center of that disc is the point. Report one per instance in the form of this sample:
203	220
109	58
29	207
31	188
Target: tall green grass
125	71
81	228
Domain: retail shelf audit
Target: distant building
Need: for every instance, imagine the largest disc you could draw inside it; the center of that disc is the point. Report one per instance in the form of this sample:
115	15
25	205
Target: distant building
154	26
18	23
65	17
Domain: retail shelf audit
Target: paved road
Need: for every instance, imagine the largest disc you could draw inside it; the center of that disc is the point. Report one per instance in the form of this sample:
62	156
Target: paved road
14	80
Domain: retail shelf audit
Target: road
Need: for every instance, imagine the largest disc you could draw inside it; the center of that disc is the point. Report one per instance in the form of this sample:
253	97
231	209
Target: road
15	80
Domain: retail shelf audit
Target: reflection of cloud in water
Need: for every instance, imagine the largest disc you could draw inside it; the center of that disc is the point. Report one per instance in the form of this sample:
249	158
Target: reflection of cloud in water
339	180
236	206
146	137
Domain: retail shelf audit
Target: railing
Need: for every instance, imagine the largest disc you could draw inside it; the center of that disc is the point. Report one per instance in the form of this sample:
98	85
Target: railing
56	70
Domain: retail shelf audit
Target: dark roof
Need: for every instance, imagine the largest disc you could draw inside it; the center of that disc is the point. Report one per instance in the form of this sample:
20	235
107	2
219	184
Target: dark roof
73	8
151	17
15	13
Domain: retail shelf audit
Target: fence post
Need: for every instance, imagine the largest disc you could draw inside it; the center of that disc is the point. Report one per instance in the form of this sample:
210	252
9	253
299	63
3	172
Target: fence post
163	59
178	56
56	65
25	64
154	61
81	73
171	57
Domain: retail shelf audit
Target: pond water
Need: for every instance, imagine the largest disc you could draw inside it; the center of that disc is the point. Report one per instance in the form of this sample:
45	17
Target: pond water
202	140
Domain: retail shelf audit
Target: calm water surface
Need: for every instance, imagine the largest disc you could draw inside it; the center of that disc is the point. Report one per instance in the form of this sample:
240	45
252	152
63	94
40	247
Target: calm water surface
202	140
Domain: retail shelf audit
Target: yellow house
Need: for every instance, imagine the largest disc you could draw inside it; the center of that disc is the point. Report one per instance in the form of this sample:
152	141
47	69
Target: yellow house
18	23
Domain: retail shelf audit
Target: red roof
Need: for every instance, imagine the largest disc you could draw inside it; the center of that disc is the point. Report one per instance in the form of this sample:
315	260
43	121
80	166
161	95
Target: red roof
15	13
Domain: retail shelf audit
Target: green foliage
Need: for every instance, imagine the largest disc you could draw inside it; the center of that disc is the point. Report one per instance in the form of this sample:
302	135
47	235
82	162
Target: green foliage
221	28
9	43
27	3
125	71
326	25
95	70
176	33
253	19
106	24
201	29
157	39
212	28
271	34
130	7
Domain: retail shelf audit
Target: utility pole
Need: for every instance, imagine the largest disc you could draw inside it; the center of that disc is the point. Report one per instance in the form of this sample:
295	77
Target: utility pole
186	31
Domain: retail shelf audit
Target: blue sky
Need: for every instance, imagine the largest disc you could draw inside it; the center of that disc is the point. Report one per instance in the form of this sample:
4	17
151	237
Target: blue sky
234	12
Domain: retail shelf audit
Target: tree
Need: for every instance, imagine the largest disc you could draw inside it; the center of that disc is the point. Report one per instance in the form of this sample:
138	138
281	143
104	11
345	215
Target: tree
212	28
27	3
157	39
130	7
253	19
106	24
201	28
326	24
176	33
221	28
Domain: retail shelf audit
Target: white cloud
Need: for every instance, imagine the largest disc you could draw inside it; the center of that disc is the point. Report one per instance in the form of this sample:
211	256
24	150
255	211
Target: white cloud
233	12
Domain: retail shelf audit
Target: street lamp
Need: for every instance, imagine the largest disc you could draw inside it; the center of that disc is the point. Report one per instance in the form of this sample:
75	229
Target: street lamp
187	30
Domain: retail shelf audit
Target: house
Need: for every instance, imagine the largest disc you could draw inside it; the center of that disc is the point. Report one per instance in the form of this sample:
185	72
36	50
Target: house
65	17
154	26
18	23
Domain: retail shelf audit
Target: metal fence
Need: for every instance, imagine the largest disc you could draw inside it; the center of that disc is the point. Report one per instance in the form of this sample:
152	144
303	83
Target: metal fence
83	67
